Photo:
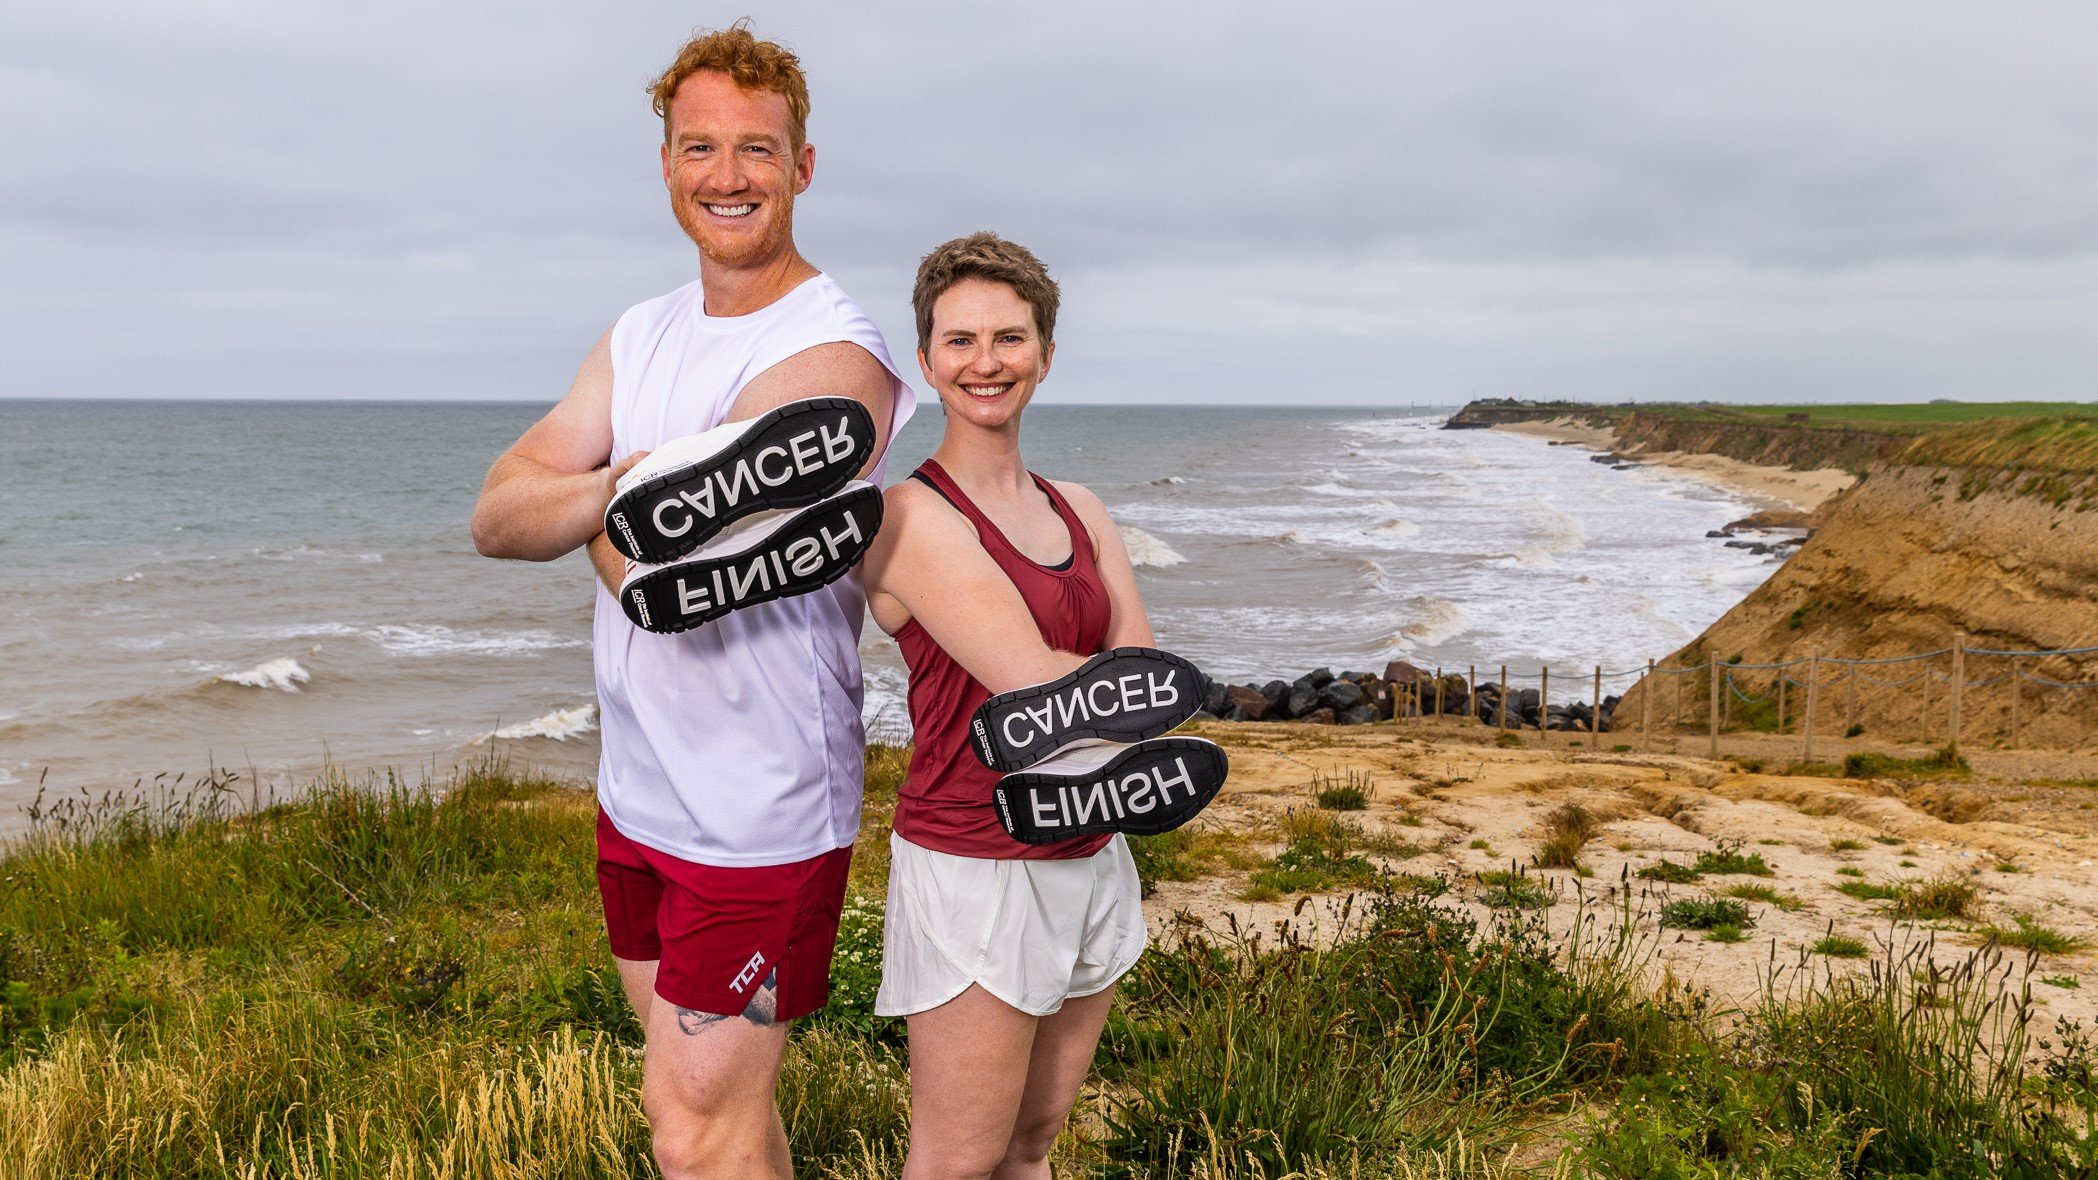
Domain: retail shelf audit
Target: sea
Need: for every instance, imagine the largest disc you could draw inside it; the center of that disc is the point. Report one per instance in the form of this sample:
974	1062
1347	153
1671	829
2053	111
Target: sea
276	589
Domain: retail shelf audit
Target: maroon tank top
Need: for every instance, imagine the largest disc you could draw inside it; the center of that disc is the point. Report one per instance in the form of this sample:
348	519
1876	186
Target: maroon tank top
945	802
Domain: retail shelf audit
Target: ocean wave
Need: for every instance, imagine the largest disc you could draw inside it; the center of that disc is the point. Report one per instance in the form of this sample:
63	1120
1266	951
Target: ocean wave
1374	575
433	639
559	725
7	777
135	576
1396	527
1331	488
311	553
284	675
1146	550
1168	480
1292	537
1429	621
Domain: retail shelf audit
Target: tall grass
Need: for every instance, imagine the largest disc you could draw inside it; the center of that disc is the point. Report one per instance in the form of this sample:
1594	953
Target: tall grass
406	982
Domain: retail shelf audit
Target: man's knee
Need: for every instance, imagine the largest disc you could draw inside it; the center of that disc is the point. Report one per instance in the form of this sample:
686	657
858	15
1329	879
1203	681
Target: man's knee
700	1129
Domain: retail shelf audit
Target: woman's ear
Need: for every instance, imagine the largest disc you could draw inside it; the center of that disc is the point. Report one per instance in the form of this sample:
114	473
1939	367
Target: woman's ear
925	368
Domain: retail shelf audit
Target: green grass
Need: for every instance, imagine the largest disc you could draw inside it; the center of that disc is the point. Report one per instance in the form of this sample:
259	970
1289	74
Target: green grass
1788	902
1567	830
1866	764
1668	873
1728	859
1509	889
1836	946
1867	891
1705	913
1350	792
1935	899
1318	857
392	981
2028	934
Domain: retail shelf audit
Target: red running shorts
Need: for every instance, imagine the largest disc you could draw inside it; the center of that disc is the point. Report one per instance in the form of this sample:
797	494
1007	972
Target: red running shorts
719	933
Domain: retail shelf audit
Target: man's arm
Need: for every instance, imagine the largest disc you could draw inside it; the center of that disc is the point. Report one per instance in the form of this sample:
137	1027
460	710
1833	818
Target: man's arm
546	495
838	369
927	563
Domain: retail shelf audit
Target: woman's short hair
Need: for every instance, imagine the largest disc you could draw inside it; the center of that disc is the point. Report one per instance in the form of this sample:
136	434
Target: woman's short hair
984	255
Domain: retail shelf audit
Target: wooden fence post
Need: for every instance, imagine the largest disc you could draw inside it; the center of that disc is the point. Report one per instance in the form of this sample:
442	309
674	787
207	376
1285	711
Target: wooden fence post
1595	717
1646	709
1959	684
1438	692
1813	688
1726	699
1712	710
2017	690
1471	692
1544	701
1502	720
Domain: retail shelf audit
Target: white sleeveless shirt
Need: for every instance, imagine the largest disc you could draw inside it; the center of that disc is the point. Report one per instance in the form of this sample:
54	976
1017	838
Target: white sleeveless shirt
739	742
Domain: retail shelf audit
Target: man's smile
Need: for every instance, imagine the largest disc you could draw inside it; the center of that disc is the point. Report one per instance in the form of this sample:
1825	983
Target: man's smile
743	210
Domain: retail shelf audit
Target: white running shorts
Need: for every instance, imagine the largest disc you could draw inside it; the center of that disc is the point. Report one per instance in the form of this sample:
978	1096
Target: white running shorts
1033	933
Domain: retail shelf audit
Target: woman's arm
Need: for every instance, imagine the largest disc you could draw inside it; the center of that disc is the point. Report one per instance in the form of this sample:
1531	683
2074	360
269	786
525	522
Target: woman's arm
1130	626
927	564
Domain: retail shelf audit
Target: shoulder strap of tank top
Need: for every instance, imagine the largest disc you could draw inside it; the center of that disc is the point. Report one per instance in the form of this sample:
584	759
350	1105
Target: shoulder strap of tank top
1072	523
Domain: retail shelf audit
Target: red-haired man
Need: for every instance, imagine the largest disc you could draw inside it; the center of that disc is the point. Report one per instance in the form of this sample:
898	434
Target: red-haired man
729	786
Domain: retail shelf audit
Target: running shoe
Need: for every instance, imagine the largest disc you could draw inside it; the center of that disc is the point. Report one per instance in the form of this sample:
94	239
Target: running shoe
767	556
1142	789
691	488
1126	694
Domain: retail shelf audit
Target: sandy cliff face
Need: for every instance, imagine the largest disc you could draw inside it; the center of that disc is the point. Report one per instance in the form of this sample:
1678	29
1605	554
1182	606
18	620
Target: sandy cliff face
1912	555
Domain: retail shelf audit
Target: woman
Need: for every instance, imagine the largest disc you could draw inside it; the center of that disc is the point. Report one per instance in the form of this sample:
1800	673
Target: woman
1003	955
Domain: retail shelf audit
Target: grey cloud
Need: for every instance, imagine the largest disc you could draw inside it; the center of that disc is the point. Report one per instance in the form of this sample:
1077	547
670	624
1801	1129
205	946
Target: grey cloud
1345	203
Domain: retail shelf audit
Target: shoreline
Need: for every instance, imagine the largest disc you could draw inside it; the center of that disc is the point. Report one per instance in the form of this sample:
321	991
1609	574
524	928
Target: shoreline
1769	488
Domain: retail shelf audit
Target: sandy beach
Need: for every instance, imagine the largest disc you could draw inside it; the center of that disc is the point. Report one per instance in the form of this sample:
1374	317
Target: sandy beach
1770	487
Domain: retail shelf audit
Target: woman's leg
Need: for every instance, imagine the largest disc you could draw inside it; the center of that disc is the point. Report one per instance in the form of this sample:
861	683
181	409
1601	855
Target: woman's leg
969	1072
1062	1057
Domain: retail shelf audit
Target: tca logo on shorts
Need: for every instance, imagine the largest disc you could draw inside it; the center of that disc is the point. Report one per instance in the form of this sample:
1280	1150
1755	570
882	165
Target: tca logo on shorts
749	974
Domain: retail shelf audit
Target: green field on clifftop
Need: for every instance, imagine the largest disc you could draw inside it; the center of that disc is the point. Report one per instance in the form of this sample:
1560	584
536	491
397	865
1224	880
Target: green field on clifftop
1902	418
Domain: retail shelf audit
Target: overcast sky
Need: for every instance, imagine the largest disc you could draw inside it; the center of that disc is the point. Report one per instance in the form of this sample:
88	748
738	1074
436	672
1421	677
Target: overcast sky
1285	204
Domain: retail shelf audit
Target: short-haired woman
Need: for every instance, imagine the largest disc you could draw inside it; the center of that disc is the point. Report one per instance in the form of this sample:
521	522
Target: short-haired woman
1003	955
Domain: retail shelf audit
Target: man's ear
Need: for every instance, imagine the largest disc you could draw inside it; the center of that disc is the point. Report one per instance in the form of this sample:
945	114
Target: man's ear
664	152
804	168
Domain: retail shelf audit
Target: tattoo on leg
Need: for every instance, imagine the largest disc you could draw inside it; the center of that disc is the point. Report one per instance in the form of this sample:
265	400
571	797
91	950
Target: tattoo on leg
693	1022
763	1010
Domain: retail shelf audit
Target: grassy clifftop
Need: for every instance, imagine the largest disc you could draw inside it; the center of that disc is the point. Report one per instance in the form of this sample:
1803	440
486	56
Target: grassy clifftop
1851	437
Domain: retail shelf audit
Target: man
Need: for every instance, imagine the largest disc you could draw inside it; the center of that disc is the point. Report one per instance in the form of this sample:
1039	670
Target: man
729	786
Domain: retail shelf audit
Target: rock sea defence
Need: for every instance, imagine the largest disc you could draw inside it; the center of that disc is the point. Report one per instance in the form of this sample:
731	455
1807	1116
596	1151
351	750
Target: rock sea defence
1325	697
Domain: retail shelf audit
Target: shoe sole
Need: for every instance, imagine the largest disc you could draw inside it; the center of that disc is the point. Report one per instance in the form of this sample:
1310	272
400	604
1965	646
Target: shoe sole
809	552
735	476
1108	797
1063	711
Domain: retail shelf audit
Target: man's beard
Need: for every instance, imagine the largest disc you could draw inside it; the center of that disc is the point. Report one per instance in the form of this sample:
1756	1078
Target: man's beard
692	219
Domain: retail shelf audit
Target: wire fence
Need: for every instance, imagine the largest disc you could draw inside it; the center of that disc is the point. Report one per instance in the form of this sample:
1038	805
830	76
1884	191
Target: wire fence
1956	693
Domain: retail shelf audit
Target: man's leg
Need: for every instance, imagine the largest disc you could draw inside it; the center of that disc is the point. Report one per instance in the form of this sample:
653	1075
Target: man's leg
707	1084
638	977
969	1069
1063	1055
